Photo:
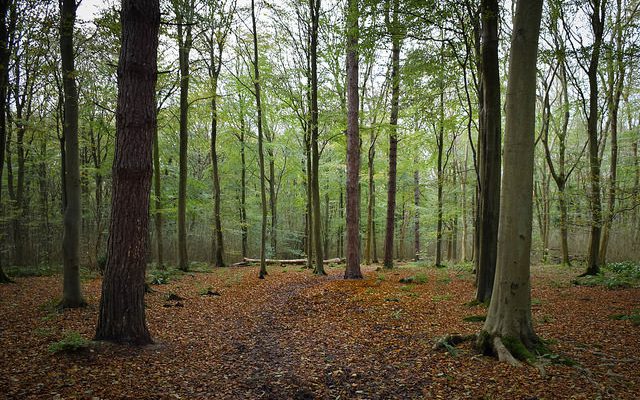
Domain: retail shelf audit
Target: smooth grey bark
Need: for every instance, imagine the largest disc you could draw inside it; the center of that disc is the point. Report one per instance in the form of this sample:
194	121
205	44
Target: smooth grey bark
489	150
509	313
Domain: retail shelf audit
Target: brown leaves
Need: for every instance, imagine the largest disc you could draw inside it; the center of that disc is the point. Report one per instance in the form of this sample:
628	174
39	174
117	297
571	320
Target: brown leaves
298	336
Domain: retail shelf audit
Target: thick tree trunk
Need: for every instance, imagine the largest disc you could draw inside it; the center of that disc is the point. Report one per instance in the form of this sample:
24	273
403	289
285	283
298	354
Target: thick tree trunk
509	313
263	191
490	153
122	314
393	28
183	13
71	292
352	270
597	25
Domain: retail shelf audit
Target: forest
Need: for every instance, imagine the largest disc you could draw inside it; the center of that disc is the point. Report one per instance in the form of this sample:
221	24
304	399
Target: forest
367	199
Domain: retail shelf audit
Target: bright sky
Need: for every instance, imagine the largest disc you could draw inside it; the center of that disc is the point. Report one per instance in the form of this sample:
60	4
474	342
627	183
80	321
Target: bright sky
88	8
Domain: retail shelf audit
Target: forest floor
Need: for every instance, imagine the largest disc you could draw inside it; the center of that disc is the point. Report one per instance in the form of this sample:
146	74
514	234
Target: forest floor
299	336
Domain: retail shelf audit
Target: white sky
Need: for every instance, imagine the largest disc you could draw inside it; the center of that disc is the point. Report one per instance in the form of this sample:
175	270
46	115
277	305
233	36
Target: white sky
89	8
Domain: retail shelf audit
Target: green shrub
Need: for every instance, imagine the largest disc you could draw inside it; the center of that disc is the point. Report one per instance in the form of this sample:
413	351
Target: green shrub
71	342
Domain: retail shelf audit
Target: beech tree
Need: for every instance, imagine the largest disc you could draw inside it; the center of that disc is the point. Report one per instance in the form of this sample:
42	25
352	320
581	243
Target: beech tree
489	152
353	146
122	314
71	293
509	318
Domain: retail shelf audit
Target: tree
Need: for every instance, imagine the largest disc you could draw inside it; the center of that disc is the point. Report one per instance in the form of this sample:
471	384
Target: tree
489	150
122	314
218	23
184	10
353	146
5	27
393	27
258	96
71	292
509	318
314	10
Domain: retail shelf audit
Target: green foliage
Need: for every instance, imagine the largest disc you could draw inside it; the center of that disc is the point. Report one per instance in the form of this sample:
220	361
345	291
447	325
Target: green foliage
72	341
634	317
163	276
614	276
33	270
441	297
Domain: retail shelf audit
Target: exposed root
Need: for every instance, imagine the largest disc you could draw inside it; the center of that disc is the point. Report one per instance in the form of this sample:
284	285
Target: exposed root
449	341
503	353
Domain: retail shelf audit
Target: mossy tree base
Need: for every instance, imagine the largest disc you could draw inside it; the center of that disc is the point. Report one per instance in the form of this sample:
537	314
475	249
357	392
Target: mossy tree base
507	349
4	278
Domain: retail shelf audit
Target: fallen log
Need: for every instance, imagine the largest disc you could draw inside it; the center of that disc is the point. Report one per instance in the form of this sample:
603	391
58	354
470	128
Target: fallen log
295	261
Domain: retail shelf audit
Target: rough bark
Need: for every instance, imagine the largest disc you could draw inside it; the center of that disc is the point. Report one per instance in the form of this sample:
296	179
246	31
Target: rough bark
122	313
352	270
490	153
71	291
370	236
509	313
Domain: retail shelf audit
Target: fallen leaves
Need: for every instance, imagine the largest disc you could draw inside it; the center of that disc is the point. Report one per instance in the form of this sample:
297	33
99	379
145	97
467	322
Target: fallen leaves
299	336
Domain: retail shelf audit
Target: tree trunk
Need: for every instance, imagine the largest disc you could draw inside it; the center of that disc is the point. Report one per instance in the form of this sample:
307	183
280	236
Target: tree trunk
393	28
370	238
5	30
416	216
597	24
440	179
509	313
340	236
263	191
71	291
184	14
616	75
490	152
352	270
122	313
243	189
158	198
314	10
218	249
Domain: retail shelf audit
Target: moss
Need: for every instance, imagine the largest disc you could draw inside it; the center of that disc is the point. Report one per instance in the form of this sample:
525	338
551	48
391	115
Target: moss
475	318
517	349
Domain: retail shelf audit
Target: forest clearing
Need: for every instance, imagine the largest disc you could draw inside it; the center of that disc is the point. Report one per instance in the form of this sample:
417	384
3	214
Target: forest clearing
299	336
